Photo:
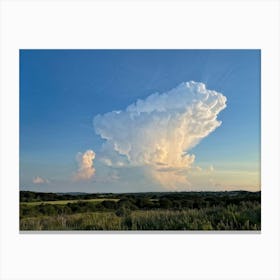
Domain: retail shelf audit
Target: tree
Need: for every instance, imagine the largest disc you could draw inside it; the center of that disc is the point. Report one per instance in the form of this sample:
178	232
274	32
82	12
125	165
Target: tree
165	203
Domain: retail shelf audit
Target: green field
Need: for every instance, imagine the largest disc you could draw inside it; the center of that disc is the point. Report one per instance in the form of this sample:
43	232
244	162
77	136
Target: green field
141	211
230	218
63	202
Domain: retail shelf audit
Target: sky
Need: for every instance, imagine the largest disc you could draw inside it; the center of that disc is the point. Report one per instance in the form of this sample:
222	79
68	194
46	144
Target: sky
139	120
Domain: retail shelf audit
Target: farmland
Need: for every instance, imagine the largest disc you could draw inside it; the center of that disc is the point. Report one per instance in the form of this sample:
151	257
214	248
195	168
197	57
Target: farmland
63	202
141	211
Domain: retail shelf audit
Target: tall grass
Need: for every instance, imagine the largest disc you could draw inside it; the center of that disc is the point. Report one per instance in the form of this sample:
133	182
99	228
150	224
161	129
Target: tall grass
233	217
85	221
214	218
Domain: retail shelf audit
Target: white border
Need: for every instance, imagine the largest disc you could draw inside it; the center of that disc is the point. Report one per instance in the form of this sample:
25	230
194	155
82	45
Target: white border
154	24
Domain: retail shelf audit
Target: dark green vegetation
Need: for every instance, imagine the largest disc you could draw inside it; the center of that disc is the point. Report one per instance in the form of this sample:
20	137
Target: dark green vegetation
238	210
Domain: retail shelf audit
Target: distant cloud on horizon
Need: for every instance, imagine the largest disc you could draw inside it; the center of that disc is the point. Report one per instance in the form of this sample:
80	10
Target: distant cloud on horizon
159	130
40	180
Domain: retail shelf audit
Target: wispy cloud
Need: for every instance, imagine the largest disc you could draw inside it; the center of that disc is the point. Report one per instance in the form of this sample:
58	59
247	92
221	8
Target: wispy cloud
85	162
111	176
160	130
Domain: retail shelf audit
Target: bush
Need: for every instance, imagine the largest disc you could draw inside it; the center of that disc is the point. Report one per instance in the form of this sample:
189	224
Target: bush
109	204
122	212
165	203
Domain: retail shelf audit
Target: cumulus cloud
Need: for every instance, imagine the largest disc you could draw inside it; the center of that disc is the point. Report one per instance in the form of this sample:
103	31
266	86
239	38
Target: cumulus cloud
160	130
39	180
86	169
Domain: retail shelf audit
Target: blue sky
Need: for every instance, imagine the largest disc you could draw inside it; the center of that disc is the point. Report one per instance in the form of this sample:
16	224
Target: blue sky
61	91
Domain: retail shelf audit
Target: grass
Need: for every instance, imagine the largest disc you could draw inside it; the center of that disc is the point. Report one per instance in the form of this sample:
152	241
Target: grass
232	217
85	221
145	211
64	202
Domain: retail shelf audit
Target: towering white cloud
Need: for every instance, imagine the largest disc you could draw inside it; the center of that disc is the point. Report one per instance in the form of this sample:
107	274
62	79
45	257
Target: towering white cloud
160	130
85	162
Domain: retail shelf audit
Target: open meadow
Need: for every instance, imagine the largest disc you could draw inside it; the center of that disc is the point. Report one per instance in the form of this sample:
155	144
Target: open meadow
141	211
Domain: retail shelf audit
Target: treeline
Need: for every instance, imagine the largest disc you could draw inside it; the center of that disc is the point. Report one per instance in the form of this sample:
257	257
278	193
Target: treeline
145	201
234	196
29	196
